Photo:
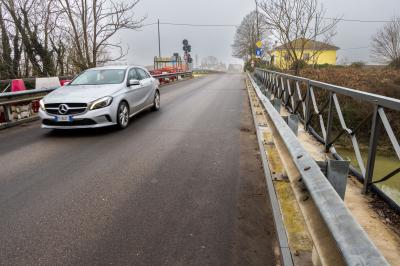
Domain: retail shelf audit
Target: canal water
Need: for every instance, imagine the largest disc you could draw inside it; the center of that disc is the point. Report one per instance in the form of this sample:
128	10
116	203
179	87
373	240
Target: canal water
384	165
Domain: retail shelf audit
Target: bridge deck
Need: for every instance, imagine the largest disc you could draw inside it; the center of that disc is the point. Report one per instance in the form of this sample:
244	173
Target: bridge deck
182	186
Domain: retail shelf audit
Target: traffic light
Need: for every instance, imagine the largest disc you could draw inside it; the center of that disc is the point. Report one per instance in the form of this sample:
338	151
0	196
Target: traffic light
187	49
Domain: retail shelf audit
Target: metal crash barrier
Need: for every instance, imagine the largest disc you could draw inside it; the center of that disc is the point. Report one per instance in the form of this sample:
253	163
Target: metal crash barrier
351	241
21	106
300	96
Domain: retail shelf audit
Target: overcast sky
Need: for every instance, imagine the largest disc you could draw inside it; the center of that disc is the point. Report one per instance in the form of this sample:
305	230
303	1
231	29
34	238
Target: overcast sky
217	41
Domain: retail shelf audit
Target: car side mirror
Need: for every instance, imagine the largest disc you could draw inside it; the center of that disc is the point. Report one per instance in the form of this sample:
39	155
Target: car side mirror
133	82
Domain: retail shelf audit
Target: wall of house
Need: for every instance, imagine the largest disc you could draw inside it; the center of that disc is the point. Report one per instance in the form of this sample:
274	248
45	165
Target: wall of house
323	57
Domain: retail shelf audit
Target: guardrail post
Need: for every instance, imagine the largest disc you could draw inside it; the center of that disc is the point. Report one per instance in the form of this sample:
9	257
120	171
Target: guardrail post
277	104
7	113
373	143
337	172
293	123
329	122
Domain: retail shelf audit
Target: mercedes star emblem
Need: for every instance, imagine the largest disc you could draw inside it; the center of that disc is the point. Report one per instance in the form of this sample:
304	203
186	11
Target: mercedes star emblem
63	109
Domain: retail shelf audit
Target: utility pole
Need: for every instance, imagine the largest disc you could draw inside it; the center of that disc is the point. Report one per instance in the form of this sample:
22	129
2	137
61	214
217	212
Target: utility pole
314	61
159	41
258	29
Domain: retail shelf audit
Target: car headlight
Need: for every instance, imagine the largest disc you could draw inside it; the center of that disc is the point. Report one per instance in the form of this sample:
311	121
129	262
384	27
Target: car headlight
41	104
101	103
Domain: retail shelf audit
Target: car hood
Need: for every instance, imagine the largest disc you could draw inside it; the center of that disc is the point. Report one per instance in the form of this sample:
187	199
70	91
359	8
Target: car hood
81	93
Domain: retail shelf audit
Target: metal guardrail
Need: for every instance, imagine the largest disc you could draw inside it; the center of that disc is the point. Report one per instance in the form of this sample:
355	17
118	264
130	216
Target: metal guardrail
170	75
11	98
351	240
305	105
286	257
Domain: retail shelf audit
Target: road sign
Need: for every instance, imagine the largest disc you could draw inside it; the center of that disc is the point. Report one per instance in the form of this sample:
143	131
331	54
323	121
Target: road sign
259	44
259	52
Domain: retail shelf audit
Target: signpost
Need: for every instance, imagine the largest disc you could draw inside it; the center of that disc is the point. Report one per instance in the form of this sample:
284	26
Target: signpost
259	49
259	52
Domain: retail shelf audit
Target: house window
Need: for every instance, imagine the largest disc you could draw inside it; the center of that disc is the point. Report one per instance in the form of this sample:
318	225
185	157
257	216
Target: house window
306	56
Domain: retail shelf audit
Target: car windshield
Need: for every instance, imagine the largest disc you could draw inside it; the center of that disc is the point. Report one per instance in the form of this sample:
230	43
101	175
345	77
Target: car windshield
100	77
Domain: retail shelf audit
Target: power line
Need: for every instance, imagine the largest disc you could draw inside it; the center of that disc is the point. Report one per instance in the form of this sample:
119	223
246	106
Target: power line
149	24
199	25
358	20
191	25
234	25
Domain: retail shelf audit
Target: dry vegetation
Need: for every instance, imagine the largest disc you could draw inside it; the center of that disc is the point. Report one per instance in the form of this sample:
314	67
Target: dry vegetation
378	80
383	81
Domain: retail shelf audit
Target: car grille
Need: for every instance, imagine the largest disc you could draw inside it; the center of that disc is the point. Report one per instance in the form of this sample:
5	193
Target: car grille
80	122
73	108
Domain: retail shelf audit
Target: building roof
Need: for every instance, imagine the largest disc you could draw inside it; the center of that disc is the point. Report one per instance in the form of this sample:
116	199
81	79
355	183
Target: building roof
308	44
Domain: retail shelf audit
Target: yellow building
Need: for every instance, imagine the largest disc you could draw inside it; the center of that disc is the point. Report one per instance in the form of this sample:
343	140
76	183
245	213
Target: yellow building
314	52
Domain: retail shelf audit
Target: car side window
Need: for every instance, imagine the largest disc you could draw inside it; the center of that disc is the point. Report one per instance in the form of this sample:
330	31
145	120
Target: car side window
133	74
142	73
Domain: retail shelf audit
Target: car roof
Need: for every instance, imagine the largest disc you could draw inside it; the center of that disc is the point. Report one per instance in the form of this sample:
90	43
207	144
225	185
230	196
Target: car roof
114	67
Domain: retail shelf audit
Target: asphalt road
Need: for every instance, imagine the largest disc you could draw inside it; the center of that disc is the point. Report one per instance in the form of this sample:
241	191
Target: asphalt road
171	189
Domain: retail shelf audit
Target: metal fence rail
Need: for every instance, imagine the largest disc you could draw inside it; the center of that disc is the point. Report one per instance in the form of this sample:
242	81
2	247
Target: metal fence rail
9	99
288	88
351	240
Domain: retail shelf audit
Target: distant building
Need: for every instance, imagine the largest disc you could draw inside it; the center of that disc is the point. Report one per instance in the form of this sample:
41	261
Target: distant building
314	53
235	68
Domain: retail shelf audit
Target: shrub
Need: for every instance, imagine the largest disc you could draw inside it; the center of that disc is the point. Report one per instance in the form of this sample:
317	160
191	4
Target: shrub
323	66
380	80
397	81
358	64
395	63
299	64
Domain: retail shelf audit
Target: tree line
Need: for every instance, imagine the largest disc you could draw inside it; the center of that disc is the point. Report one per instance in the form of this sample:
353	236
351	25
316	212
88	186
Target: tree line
61	37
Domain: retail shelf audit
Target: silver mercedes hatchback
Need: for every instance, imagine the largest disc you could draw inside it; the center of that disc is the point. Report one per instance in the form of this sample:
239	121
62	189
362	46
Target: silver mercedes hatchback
99	97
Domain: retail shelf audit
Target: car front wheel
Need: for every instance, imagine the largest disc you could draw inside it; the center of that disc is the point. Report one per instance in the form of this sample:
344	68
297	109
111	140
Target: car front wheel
157	101
123	115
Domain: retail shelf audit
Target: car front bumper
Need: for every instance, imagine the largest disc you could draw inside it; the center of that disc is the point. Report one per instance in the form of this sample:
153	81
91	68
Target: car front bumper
90	119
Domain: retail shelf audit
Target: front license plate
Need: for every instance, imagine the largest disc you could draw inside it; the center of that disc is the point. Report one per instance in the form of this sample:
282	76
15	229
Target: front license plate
63	118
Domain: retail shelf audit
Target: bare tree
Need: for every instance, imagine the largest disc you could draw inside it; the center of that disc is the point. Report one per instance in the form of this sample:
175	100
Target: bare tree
5	60
57	37
92	24
386	43
293	23
29	18
244	44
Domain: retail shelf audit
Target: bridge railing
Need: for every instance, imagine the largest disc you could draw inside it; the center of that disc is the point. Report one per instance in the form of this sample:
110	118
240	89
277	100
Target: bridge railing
303	97
10	100
351	241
